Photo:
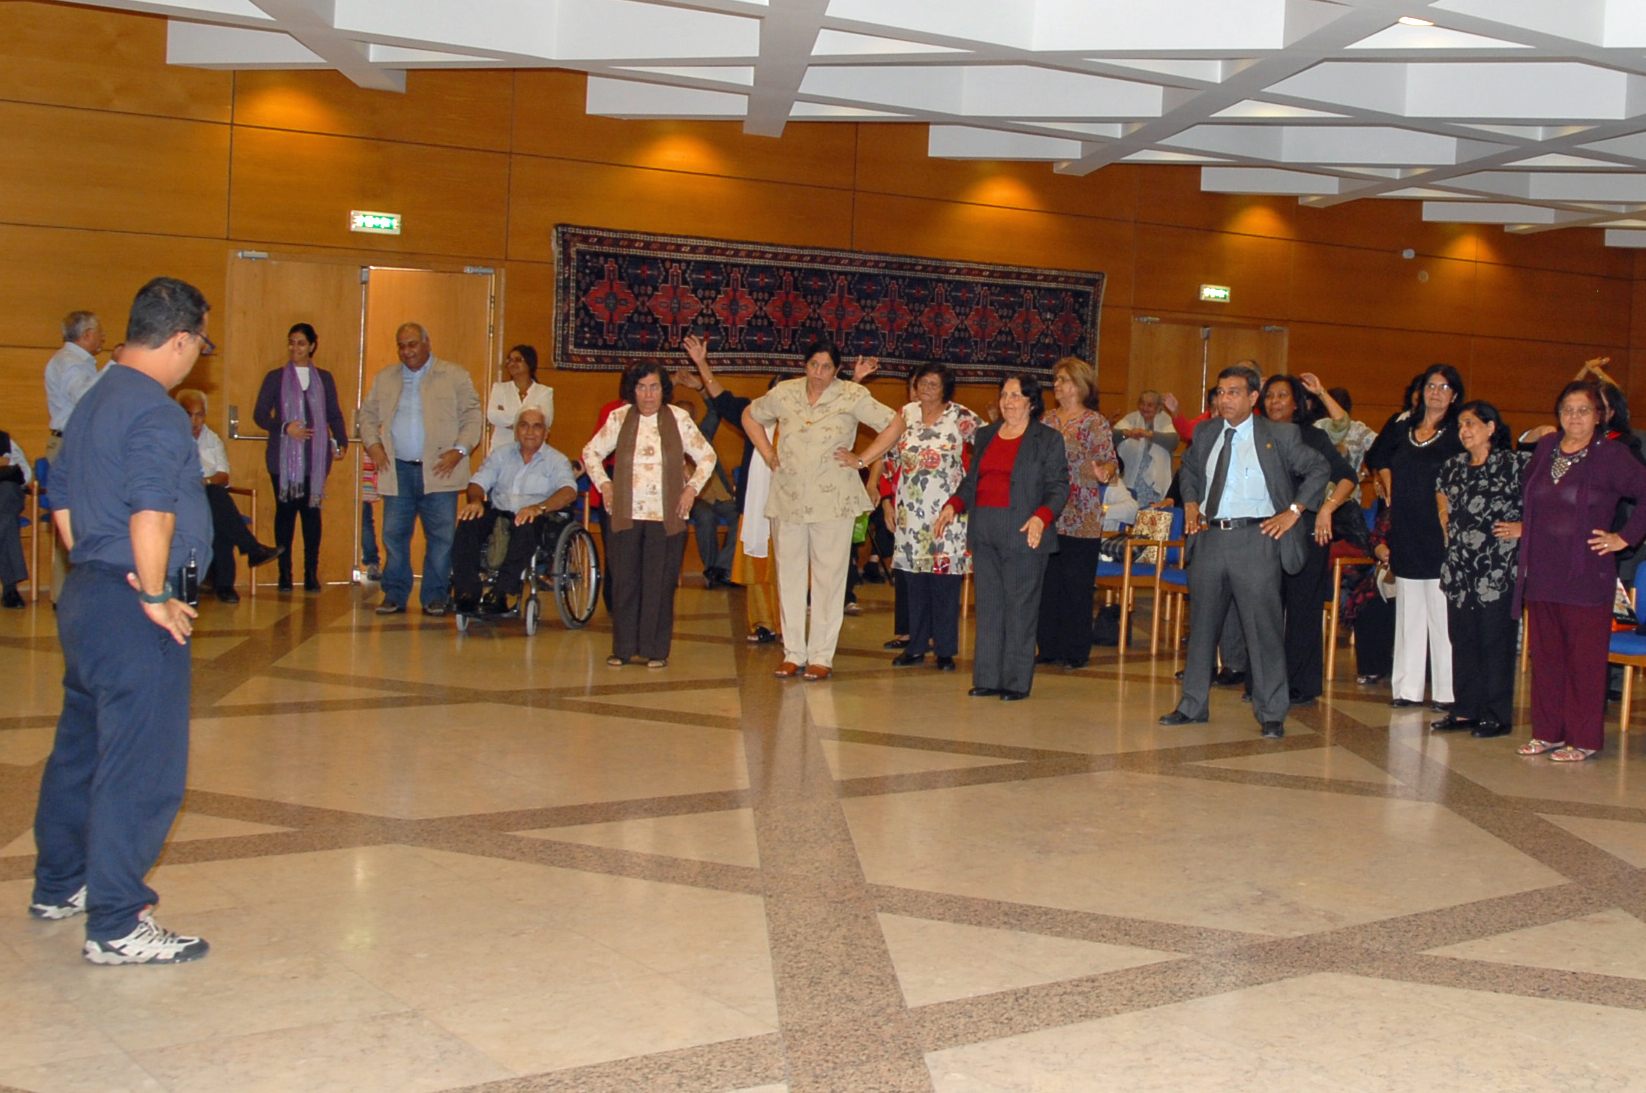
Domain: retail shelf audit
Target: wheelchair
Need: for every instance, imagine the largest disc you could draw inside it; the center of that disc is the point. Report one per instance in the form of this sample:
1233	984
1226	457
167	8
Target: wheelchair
565	564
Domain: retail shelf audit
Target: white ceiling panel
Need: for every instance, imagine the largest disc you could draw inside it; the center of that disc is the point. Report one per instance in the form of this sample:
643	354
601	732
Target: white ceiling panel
1517	105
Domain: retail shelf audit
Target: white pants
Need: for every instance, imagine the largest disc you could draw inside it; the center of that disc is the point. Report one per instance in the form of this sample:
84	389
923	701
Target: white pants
818	551
1420	624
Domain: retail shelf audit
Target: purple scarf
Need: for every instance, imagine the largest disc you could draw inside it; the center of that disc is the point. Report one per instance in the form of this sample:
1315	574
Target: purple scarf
303	464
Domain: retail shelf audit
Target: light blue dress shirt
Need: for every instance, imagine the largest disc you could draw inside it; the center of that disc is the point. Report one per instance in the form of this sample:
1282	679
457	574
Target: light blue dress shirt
1246	490
512	484
406	430
69	375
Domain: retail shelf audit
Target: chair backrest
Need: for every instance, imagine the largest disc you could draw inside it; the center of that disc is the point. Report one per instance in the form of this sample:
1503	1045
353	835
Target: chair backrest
41	470
1370	513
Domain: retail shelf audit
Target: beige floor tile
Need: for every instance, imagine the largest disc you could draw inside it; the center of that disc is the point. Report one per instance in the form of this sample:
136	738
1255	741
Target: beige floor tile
264	689
726	837
1611	942
941	961
204	646
550	1029
38	1026
392	1053
713	701
95	1074
1494	765
189	826
25	747
445	760
336	874
851	760
34	679
1266	860
1622	838
1334	763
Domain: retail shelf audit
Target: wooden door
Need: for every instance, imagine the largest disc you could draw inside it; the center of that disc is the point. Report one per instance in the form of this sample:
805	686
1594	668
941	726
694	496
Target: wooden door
457	309
1166	356
1266	345
265	297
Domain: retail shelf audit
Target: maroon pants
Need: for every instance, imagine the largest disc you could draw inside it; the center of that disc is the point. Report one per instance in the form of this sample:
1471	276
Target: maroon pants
1569	646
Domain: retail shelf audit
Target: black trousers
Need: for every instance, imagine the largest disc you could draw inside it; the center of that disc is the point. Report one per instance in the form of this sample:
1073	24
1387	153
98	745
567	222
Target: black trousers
645	565
1375	639
1306	593
229	533
286	513
934	611
12	566
469	549
1065	631
1483	660
1008	577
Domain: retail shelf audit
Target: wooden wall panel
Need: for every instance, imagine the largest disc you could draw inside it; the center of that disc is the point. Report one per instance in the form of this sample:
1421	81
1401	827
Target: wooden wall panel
120	172
548	192
1516	302
1172	196
67	55
23	397
463	109
1578	250
1373	363
299	188
983	233
1384	226
892	160
1525	376
1172	264
549	121
1359	287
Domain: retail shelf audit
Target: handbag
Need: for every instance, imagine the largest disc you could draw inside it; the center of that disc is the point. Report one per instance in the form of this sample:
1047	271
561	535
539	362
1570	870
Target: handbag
1151	524
1385	581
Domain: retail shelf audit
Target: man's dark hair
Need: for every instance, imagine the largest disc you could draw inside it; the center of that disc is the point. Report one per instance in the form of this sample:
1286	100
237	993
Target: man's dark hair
1030	386
638	371
1254	382
940	370
164	308
822	345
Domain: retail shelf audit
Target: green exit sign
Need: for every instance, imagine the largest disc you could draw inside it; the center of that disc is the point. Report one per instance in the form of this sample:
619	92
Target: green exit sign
375	223
1214	294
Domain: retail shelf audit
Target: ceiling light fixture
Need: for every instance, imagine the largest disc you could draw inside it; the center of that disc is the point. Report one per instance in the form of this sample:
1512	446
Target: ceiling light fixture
1414	21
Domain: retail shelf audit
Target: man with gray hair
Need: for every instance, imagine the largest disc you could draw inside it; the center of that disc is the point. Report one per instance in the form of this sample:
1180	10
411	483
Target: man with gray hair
419	422
69	375
228	528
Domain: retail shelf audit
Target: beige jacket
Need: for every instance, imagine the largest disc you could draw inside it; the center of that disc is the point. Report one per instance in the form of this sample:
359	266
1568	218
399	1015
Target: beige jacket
451	416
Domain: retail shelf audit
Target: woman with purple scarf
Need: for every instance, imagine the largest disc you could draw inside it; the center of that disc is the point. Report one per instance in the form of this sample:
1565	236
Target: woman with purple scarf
295	400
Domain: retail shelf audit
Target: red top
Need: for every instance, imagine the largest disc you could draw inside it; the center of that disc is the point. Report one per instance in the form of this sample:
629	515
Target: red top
605	412
1185	427
994	479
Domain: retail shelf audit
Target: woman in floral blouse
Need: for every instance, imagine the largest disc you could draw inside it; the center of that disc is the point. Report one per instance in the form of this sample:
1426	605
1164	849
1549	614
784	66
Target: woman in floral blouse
927	463
1065	632
1479	494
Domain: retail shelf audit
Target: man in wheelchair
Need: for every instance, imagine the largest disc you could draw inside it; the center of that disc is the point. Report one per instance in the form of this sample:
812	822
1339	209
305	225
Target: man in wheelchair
518	489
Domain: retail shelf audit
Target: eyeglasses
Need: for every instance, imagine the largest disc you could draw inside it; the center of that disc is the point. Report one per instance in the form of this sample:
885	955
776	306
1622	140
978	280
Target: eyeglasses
207	346
1437	387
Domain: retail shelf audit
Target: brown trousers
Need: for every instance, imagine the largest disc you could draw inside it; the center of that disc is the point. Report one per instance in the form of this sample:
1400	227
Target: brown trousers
645	567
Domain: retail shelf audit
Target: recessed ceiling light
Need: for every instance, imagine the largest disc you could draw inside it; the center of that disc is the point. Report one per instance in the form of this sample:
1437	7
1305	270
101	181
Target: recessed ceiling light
1414	21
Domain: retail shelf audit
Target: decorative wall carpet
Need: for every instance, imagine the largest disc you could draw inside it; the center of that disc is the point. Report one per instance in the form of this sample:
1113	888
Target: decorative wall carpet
628	296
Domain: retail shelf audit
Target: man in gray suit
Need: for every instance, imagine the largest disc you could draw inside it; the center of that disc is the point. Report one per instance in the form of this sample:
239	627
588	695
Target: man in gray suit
1244	472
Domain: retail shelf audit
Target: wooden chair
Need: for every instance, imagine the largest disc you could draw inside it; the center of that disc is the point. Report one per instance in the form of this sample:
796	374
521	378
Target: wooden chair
1163	576
1335	611
242	491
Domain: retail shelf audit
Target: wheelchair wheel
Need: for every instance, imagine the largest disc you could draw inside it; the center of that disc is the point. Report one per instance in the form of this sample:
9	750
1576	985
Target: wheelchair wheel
576	576
529	613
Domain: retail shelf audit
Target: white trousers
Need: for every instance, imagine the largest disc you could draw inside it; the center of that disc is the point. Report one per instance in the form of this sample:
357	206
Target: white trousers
1420	626
812	556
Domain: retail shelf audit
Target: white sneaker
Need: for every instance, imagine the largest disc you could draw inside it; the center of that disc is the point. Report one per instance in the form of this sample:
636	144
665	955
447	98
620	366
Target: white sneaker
148	943
70	907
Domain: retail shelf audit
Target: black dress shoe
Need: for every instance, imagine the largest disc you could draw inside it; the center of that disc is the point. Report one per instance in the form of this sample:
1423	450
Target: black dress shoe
1013	696
1178	717
1403	703
311	583
945	664
1074	665
227	595
1048	660
1226	678
903	660
1453	723
983	692
1273	730
1298	698
1488	729
284	584
263	554
896	643
1441	707
12	599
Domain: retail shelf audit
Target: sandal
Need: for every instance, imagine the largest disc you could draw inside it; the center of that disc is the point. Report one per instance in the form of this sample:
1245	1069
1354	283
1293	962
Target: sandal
657	663
762	635
616	661
1535	746
1570	754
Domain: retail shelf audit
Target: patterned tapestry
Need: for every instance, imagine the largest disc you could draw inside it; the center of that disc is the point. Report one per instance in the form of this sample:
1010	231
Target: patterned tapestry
626	296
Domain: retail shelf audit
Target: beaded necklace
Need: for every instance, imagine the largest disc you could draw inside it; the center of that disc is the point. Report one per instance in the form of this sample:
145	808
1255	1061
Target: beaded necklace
1562	462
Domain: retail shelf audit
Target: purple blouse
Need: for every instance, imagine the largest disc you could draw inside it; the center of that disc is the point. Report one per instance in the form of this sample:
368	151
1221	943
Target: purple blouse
1557	565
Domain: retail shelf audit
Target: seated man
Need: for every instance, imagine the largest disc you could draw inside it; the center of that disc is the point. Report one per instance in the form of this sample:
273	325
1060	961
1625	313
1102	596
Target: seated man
228	527
14	480
521	482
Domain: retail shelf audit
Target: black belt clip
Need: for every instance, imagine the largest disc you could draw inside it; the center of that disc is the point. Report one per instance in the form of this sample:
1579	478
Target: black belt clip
1230	523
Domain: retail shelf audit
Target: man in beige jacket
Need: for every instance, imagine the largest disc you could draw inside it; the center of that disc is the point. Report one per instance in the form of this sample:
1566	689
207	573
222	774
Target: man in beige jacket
419	422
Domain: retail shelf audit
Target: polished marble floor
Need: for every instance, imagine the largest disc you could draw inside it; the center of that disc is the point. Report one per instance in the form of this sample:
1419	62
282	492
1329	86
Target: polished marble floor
432	861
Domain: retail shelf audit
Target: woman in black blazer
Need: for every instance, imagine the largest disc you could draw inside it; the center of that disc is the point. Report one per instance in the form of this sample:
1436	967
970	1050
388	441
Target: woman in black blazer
298	406
1013	493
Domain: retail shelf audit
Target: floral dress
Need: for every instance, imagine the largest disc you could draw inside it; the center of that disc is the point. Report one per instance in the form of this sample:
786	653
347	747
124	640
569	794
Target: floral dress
927	462
1088	439
1480	568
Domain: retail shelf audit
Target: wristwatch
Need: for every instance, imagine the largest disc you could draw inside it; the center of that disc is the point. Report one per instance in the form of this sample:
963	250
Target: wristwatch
1296	508
162	596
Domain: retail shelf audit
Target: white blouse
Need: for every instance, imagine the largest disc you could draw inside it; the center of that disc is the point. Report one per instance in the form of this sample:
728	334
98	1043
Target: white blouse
505	405
646	500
